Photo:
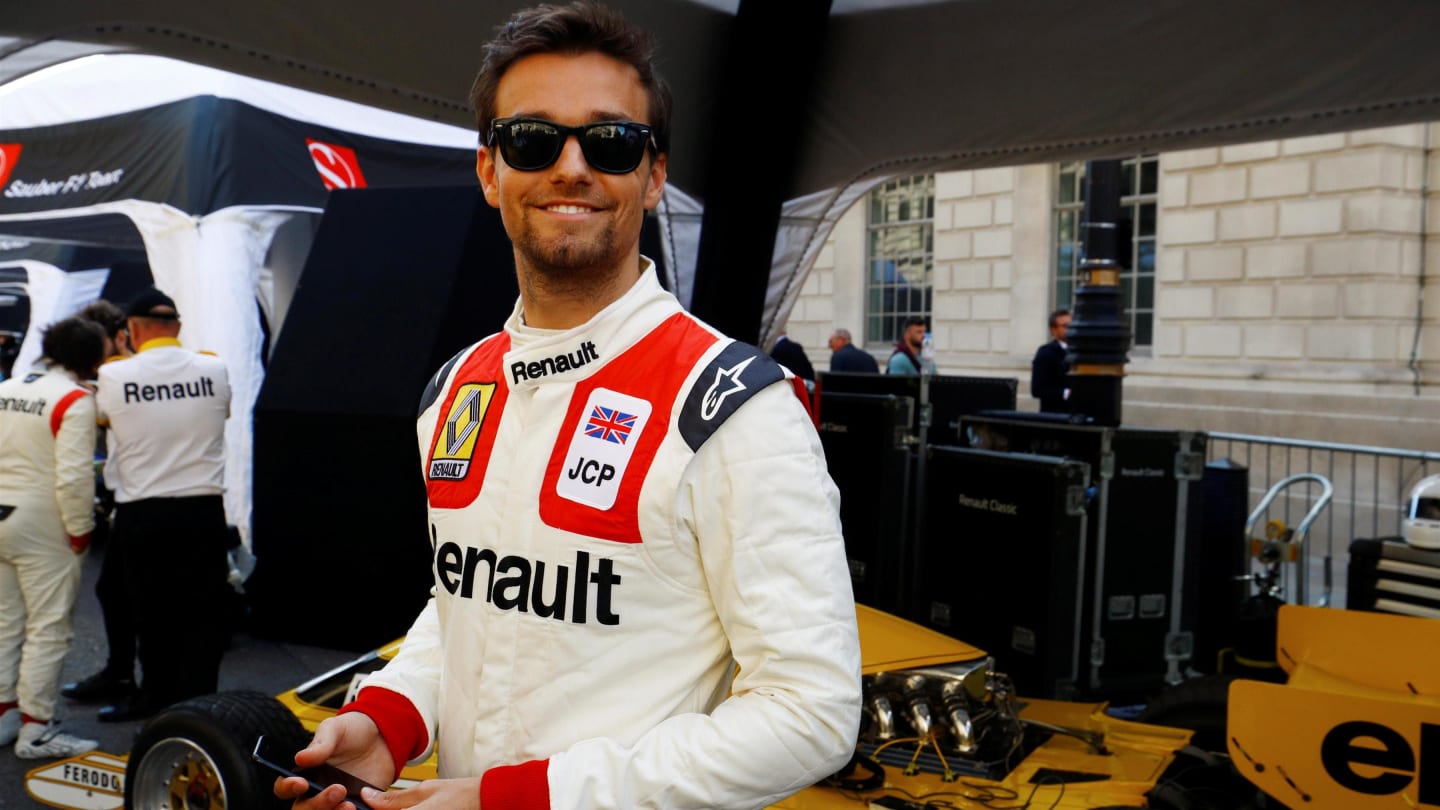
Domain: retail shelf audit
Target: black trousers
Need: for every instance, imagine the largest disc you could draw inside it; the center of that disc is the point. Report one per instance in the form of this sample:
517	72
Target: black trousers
175	570
115	609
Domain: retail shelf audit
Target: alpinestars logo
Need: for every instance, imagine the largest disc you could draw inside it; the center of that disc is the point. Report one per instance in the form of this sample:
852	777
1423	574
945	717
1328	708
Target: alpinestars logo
9	155
727	382
337	165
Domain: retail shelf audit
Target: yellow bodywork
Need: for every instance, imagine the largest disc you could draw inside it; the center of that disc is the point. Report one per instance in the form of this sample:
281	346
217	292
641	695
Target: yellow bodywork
1357	724
1138	753
1136	757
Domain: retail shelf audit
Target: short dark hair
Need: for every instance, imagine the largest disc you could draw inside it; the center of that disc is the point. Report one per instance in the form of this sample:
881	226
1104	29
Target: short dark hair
577	28
916	320
1057	315
76	344
110	317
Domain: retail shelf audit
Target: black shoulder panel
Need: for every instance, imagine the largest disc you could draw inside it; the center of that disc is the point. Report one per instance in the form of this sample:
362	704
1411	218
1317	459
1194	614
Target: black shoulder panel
437	383
726	383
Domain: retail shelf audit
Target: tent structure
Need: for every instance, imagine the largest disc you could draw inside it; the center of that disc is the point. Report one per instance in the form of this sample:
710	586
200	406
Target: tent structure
122	170
789	111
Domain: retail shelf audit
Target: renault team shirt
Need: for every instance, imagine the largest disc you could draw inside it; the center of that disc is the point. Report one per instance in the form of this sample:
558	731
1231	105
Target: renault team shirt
166	408
621	513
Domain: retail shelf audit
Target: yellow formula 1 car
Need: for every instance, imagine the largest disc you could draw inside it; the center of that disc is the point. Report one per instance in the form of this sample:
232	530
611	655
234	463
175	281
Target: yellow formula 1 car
1356	725
941	729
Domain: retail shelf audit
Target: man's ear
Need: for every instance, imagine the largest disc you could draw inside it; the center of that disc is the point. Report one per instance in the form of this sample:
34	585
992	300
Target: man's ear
485	170
655	180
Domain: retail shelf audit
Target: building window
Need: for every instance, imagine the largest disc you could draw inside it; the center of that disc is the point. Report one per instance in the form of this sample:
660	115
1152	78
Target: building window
1138	180
900	251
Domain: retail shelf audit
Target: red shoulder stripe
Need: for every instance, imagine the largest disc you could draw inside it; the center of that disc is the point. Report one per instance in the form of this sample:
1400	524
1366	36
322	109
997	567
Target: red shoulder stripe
58	415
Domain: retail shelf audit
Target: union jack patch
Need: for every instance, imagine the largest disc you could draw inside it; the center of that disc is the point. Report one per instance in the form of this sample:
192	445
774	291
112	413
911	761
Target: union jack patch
610	424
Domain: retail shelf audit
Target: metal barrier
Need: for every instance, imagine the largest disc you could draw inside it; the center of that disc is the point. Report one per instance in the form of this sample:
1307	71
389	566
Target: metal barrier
1371	484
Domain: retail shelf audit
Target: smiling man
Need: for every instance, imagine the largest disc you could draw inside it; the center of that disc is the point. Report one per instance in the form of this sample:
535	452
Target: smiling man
641	594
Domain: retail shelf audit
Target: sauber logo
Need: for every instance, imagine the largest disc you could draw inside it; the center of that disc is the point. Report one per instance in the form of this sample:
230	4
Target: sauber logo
450	458
337	165
9	154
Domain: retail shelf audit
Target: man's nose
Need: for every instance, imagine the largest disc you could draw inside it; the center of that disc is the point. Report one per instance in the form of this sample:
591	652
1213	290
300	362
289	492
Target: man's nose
572	161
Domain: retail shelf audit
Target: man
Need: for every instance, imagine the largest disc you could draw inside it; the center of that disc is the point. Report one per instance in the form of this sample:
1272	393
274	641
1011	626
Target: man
844	356
1049	368
116	680
792	355
641	594
47	486
165	408
906	357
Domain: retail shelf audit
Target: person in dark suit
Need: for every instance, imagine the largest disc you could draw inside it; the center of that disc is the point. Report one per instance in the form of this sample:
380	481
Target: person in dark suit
1048	370
844	356
791	355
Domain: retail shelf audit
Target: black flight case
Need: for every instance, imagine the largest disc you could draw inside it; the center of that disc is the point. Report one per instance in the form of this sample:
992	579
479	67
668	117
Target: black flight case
1000	551
868	449
1143	517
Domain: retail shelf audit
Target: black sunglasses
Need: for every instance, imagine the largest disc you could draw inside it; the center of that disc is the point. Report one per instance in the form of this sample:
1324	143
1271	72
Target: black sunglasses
532	144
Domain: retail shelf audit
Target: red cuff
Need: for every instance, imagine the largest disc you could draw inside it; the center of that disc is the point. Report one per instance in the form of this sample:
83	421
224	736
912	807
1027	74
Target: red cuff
401	726
517	787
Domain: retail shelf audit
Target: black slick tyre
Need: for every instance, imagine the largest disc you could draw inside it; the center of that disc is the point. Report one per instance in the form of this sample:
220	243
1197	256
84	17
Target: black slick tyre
196	754
1199	704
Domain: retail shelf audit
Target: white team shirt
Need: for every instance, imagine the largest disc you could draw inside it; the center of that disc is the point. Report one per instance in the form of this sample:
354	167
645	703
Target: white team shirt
166	408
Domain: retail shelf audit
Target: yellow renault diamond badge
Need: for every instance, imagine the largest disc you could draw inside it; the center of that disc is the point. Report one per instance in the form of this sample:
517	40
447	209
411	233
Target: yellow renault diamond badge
450	458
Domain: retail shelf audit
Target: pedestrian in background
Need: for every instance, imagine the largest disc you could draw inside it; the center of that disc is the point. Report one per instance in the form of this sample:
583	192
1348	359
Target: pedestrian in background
845	356
1049	369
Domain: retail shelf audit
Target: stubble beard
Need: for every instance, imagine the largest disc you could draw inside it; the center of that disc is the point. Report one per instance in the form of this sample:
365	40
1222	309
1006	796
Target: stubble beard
569	264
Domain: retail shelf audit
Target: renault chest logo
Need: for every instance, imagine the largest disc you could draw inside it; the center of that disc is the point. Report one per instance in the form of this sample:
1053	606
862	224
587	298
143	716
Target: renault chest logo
450	458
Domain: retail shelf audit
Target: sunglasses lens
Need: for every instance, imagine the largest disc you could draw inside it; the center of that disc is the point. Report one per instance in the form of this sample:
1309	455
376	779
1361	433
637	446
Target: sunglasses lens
530	145
615	148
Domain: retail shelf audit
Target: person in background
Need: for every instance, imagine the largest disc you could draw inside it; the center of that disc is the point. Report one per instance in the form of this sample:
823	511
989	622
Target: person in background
791	355
846	356
906	357
1049	368
687	635
47	492
116	681
165	408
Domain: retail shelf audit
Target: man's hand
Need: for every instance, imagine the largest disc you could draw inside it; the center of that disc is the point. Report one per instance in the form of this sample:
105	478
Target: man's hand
437	794
350	742
79	544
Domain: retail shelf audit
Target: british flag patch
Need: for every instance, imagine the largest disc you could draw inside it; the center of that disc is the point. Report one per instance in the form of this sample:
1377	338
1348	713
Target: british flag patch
610	424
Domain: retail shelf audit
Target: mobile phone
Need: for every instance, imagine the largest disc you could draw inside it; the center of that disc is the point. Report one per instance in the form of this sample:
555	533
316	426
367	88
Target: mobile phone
320	777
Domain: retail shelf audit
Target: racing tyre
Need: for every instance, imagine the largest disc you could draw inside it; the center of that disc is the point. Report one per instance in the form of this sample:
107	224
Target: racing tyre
1200	780
196	754
1199	704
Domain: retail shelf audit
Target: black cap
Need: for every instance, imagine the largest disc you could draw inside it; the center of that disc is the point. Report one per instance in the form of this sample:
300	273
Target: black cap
151	299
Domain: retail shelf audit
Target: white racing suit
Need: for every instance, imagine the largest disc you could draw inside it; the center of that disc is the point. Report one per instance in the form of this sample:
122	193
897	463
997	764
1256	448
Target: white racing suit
622	513
47	495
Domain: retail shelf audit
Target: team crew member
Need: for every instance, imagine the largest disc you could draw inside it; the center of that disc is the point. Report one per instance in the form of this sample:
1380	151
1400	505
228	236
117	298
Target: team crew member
47	488
166	408
624	504
117	679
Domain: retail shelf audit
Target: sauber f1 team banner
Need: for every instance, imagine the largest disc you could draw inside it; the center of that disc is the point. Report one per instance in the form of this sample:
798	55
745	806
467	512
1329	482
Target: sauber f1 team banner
205	153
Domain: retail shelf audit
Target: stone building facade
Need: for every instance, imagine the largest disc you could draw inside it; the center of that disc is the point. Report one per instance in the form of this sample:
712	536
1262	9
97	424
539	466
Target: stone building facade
1296	285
